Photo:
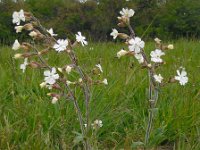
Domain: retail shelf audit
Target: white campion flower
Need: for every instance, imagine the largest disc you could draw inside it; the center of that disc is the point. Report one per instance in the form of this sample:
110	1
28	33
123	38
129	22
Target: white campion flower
136	45
54	100
139	57
18	17
51	76
68	69
182	76
81	39
18	28
155	56
125	12
50	31
99	67
114	33
121	53
23	66
16	45
97	124
158	78
61	45
105	81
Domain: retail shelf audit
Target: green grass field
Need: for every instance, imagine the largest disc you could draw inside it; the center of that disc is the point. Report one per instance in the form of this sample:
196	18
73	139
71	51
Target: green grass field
28	120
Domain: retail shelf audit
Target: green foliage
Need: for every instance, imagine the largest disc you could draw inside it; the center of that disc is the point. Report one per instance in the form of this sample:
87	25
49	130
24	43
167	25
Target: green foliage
173	19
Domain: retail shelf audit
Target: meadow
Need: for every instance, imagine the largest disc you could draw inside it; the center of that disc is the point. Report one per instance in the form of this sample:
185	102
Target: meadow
28	119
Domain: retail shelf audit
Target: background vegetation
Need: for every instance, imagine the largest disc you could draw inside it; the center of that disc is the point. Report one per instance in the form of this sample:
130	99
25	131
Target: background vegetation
28	120
163	18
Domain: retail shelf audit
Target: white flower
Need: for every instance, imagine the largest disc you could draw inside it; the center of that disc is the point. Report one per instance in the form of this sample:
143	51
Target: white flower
43	84
68	69
182	77
18	17
18	28
99	67
50	31
105	81
23	66
136	45
51	76
139	57
155	56
114	33
127	12
16	45
158	78
97	124
61	45
81	39
54	100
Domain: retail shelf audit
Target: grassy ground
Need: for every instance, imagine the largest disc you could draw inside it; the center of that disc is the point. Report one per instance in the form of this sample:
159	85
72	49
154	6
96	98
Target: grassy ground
28	120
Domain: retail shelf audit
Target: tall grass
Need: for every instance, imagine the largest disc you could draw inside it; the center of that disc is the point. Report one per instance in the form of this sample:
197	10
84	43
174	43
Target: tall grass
28	120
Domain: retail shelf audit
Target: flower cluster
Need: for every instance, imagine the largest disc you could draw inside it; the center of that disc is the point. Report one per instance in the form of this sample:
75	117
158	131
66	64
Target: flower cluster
136	48
56	79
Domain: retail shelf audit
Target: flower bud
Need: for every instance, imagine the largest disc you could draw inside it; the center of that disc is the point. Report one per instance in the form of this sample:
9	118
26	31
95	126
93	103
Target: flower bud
33	34
170	46
28	26
34	65
18	55
26	46
105	81
157	40
54	100
123	36
28	16
121	53
121	24
43	84
68	69
60	69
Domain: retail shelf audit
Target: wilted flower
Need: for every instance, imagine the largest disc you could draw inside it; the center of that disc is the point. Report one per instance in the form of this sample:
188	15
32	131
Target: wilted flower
16	45
23	66
182	76
51	76
127	12
18	28
61	45
136	45
68	69
50	31
139	57
81	39
99	67
114	33
158	78
97	124
105	81
69	82
18	17
155	56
